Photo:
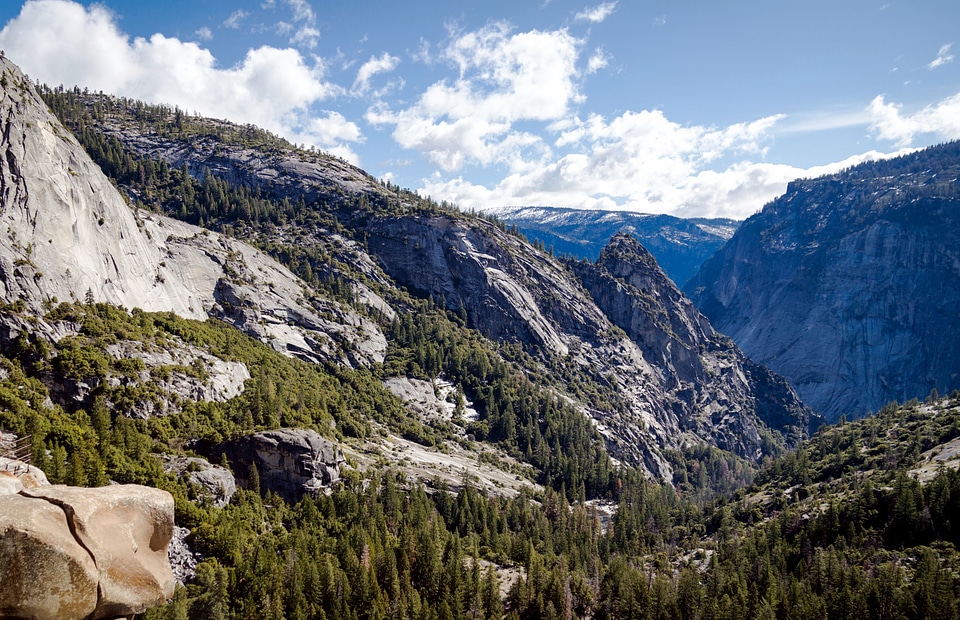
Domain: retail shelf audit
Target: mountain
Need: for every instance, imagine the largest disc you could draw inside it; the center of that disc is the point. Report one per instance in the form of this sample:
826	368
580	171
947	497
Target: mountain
390	282
679	245
70	236
848	285
476	476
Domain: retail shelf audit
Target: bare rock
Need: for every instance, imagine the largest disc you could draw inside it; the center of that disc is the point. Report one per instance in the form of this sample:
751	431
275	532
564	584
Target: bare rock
126	529
183	561
9	483
29	476
290	462
214	482
69	235
45	573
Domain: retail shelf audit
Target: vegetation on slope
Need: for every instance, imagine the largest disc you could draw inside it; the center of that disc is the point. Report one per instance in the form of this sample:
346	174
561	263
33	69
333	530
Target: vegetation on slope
837	529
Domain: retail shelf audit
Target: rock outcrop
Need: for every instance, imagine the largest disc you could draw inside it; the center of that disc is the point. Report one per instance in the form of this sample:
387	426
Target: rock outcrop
706	382
77	553
70	236
213	483
849	285
290	462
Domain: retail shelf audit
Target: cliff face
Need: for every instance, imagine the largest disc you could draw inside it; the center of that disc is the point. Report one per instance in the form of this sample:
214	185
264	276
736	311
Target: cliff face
683	381
68	235
706	381
848	285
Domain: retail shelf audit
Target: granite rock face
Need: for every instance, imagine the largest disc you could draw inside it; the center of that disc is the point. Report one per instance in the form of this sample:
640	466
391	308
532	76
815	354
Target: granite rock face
290	462
706	383
849	285
70	236
213	482
77	553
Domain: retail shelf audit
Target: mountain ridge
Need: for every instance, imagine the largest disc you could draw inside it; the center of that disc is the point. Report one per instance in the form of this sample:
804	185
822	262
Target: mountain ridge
866	261
512	293
680	244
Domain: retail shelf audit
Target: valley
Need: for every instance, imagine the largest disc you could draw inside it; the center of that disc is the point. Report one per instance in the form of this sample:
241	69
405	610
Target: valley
367	403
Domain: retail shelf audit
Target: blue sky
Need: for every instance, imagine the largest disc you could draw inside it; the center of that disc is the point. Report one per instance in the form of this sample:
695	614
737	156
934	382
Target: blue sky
695	108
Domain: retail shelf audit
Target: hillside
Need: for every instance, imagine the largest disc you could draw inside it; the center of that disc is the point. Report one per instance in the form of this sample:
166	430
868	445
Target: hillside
847	285
387	253
679	245
528	438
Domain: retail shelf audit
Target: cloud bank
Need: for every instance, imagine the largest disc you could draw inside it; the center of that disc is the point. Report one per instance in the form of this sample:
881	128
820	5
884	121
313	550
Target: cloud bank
506	122
277	89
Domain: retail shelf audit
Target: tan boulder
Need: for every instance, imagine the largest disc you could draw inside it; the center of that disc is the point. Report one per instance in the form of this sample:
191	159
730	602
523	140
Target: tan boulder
127	529
44	572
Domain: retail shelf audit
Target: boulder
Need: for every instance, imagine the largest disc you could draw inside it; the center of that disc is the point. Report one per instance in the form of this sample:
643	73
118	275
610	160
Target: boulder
291	462
29	476
124	531
45	573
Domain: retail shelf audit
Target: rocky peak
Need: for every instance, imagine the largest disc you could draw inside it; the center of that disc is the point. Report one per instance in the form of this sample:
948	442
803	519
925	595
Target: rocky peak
708	385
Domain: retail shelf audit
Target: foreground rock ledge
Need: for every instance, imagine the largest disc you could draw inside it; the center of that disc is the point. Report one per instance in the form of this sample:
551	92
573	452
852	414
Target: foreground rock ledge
77	553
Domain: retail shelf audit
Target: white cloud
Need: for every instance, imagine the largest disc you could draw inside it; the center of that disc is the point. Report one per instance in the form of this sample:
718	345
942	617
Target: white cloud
889	123
943	56
236	18
737	192
204	34
596	14
62	42
307	34
384	64
597	61
503	78
638	161
303	31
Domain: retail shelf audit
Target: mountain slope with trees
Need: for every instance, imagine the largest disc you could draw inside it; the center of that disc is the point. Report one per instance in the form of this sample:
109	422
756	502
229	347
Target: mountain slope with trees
382	250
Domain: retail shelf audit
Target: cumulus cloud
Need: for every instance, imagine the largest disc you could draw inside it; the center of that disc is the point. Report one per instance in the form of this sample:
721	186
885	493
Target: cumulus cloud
888	122
638	161
943	56
596	14
62	42
204	34
502	78
384	64
737	191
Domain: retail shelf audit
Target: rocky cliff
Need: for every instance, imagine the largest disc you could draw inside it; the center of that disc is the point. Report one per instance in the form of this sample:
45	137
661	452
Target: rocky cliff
707	384
848	285
290	462
68	235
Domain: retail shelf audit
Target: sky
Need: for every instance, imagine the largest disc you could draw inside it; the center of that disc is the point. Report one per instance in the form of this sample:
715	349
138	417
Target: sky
696	108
